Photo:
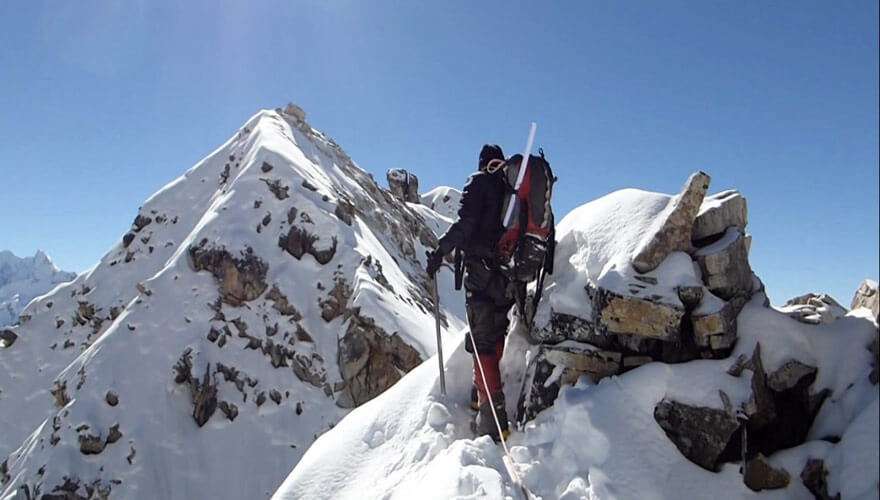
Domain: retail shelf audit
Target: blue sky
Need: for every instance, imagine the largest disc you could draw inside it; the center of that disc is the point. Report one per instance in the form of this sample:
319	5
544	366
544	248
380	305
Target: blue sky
105	102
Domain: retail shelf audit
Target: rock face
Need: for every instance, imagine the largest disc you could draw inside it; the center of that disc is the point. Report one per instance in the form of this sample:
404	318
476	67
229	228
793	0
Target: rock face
242	278
867	296
676	225
370	360
760	475
626	315
403	185
719	212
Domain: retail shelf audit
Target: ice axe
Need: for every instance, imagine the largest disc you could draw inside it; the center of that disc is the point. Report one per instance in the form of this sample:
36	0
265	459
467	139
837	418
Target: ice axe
439	340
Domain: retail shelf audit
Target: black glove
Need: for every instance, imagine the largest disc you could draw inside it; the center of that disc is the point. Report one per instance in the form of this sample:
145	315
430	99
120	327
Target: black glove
435	259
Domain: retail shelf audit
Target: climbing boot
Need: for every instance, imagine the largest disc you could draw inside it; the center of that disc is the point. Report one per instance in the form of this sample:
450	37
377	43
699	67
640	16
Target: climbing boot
485	422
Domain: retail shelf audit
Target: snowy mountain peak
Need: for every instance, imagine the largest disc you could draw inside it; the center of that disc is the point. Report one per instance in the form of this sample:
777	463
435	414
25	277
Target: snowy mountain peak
22	279
253	301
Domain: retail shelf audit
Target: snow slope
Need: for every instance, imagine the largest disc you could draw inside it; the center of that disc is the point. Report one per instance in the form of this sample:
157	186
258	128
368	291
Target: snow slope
103	387
22	279
599	441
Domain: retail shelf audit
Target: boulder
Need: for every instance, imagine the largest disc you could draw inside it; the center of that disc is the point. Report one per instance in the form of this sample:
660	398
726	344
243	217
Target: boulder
716	329
725	265
718	212
701	434
298	242
7	337
566	327
295	112
636	318
867	296
559	365
403	185
815	479
760	475
675	226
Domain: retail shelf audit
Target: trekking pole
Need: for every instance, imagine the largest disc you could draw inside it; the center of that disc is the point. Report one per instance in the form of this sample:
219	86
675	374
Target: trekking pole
439	340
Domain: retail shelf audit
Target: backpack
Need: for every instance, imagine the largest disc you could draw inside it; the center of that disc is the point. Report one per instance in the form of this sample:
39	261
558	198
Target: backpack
527	242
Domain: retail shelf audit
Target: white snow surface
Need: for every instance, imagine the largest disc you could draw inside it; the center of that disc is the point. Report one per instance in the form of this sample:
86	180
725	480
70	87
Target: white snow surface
444	200
599	441
24	278
150	305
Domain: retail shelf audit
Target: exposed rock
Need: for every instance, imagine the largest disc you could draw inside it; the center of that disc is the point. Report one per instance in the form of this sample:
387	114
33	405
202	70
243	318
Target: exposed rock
336	302
815	478
812	308
718	212
241	279
345	210
371	361
127	239
281	304
275	396
141	222
674	232
111	398
640	317
295	112
89	444
113	435
298	242
228	409
564	326
203	392
700	434
7	337
59	392
309	368
725	265
867	296
557	366
266	167
690	296
403	185
790	375
716	330
278	189
760	475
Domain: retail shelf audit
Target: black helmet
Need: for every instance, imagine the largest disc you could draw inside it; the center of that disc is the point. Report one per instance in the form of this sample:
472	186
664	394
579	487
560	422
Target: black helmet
488	153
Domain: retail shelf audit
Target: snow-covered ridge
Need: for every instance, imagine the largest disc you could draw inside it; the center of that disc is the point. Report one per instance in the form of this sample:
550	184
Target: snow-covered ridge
255	299
24	278
614	438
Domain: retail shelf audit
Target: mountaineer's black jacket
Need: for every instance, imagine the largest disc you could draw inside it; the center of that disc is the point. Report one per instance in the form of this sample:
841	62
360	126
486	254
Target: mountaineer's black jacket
478	227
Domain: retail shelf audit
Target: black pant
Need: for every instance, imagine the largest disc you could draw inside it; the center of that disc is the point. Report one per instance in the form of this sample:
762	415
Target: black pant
488	299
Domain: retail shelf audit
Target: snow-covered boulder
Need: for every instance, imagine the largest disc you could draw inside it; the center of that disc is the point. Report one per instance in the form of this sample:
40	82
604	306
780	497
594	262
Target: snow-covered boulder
24	278
444	200
814	308
404	185
253	301
719	212
868	297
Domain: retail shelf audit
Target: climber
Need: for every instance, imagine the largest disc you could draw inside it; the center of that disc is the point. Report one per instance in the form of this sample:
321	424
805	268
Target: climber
489	294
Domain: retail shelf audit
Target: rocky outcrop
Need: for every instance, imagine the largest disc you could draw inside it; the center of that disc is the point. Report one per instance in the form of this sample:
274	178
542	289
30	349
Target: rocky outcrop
298	242
7	337
370	361
403	185
725	265
242	278
815	479
812	308
626	315
700	434
674	227
719	212
777	415
716	329
868	296
559	365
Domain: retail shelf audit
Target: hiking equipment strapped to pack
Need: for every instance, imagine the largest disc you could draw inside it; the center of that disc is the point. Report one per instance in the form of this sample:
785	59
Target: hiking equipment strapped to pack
527	241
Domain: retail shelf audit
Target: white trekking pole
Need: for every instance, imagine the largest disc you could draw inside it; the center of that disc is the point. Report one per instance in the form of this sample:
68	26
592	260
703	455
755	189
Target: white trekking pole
439	340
